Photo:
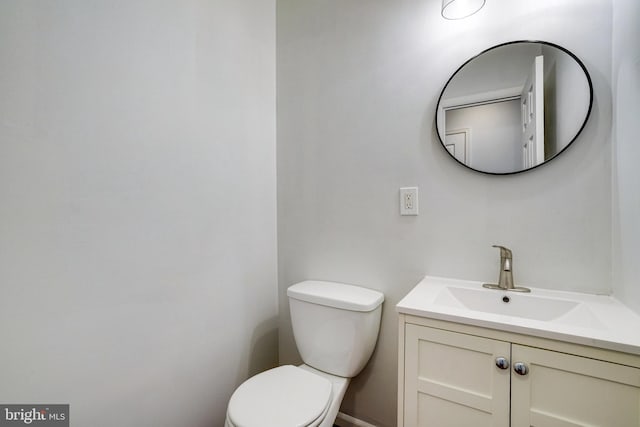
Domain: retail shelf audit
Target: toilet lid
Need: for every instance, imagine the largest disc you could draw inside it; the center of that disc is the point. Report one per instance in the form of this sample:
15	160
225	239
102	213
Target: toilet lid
281	397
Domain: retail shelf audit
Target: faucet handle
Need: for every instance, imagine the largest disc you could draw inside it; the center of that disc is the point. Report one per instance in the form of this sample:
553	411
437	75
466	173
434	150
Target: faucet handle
504	252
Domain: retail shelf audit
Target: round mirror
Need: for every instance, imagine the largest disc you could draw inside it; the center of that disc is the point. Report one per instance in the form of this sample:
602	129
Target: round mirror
514	107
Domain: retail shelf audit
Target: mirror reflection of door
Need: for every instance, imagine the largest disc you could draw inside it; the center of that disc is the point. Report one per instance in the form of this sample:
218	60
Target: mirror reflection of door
458	143
532	103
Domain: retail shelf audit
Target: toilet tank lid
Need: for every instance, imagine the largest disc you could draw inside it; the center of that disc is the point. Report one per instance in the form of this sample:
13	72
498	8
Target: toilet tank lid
337	295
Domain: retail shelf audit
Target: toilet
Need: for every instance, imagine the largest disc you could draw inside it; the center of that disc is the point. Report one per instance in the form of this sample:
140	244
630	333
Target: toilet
335	327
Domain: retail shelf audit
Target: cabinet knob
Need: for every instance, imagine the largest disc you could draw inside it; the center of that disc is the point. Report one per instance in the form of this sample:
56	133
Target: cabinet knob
502	363
520	368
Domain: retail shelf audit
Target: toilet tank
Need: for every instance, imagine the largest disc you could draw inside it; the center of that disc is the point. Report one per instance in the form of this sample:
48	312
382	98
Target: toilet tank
335	325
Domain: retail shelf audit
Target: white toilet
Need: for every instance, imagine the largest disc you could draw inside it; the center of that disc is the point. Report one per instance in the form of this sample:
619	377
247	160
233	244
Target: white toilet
336	328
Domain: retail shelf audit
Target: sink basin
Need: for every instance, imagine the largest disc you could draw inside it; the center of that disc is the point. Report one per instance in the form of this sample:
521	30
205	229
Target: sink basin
507	304
579	318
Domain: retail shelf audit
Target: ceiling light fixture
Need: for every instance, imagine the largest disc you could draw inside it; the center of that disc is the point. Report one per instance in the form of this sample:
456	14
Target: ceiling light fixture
458	9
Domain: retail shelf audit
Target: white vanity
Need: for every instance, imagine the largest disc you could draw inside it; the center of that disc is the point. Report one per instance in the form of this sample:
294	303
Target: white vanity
470	356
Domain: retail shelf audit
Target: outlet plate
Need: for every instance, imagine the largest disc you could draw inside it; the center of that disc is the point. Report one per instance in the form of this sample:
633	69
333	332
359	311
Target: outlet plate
409	201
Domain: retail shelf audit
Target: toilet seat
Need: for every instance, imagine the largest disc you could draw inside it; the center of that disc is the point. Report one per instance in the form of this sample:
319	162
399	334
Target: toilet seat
281	397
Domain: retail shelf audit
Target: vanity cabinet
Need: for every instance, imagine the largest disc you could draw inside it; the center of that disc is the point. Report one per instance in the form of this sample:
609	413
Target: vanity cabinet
460	375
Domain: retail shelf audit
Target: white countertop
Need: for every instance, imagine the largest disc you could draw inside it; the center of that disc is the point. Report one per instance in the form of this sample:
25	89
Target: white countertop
597	320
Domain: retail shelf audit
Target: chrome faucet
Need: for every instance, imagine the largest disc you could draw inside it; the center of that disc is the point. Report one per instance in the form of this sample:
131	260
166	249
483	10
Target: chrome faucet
505	279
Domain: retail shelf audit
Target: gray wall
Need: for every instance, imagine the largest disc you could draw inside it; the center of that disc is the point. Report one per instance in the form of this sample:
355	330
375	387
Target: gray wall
495	134
137	206
503	68
569	101
626	196
357	86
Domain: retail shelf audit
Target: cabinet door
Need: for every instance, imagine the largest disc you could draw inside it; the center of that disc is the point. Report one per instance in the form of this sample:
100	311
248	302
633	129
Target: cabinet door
562	390
451	380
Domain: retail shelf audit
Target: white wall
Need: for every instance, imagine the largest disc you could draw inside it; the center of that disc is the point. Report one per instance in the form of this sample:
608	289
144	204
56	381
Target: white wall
137	206
358	83
626	197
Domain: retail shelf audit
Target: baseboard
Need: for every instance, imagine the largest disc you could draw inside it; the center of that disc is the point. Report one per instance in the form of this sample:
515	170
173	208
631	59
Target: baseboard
344	420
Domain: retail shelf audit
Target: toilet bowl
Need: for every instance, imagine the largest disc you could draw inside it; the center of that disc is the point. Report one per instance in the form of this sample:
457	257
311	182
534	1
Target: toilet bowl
287	396
335	327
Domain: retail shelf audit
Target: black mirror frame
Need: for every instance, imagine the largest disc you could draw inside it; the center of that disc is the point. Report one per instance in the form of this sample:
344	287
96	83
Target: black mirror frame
571	54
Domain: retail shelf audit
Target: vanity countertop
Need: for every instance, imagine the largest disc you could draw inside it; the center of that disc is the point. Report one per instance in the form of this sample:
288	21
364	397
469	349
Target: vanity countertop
593	320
